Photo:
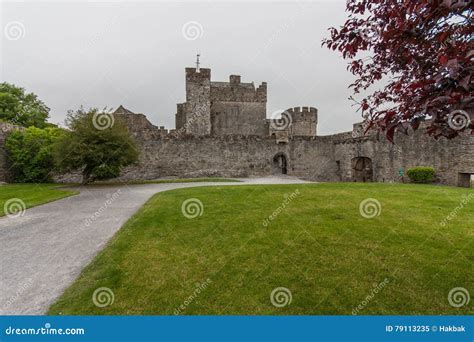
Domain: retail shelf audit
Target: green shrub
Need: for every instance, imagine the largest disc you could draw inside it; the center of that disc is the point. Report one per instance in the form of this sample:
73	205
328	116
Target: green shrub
421	174
30	153
95	143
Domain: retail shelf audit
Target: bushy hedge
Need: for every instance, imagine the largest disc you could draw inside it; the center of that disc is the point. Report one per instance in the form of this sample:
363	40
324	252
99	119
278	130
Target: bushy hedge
30	153
421	174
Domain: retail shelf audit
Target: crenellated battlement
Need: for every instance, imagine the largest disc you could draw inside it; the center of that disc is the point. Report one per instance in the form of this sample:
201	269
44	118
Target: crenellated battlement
302	110
237	91
193	75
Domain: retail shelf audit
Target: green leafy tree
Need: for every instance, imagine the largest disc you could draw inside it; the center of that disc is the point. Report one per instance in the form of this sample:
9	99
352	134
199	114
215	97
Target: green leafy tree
30	153
21	108
97	144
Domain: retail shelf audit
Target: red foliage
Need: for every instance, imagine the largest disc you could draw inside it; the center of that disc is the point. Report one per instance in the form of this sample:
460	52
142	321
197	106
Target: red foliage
423	50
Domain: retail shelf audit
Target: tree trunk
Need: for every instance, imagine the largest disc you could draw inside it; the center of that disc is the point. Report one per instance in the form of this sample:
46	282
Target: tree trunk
86	176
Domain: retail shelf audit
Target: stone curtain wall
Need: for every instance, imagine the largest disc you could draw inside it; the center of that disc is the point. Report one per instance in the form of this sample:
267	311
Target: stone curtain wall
448	157
321	158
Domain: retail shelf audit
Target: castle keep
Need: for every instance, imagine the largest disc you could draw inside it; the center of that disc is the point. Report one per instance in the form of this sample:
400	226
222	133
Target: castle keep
223	130
235	108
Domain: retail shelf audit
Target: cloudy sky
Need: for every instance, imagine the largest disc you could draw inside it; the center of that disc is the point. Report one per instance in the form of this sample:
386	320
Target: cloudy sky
99	54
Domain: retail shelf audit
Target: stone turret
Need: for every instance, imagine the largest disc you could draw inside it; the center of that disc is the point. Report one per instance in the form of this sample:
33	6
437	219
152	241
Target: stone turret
294	122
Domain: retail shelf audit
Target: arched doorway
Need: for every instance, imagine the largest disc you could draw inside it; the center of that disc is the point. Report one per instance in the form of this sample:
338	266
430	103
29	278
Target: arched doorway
280	164
362	170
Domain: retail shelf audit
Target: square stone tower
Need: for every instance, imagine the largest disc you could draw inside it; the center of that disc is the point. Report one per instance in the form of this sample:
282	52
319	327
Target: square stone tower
221	108
194	116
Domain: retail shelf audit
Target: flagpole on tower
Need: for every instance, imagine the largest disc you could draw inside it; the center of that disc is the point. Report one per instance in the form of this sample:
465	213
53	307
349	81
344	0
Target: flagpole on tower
197	62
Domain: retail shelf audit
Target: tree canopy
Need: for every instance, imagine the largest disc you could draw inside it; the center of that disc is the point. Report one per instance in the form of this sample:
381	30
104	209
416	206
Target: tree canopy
30	153
21	108
96	144
422	51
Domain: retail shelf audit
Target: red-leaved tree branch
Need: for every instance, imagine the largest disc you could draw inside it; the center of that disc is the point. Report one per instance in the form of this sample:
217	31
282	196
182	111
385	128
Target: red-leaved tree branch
423	53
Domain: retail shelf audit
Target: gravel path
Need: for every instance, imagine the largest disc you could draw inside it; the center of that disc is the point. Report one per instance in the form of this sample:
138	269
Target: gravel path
42	252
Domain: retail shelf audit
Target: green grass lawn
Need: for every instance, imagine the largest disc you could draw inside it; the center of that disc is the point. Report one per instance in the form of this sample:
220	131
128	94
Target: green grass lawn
31	194
317	245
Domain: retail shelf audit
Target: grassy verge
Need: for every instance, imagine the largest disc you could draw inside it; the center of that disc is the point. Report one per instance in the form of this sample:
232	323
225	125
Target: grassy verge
310	239
30	194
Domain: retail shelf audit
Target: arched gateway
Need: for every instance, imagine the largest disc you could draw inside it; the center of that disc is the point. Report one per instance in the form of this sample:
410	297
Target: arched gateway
362	170
280	164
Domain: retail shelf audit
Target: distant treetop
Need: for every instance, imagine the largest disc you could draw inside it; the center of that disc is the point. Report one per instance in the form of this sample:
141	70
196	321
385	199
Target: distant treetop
21	108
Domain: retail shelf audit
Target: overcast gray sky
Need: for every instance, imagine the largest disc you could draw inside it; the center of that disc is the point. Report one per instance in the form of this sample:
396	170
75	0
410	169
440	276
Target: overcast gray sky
100	54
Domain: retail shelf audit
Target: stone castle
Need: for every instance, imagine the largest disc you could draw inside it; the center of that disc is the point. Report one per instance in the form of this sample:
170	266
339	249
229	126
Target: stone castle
222	130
